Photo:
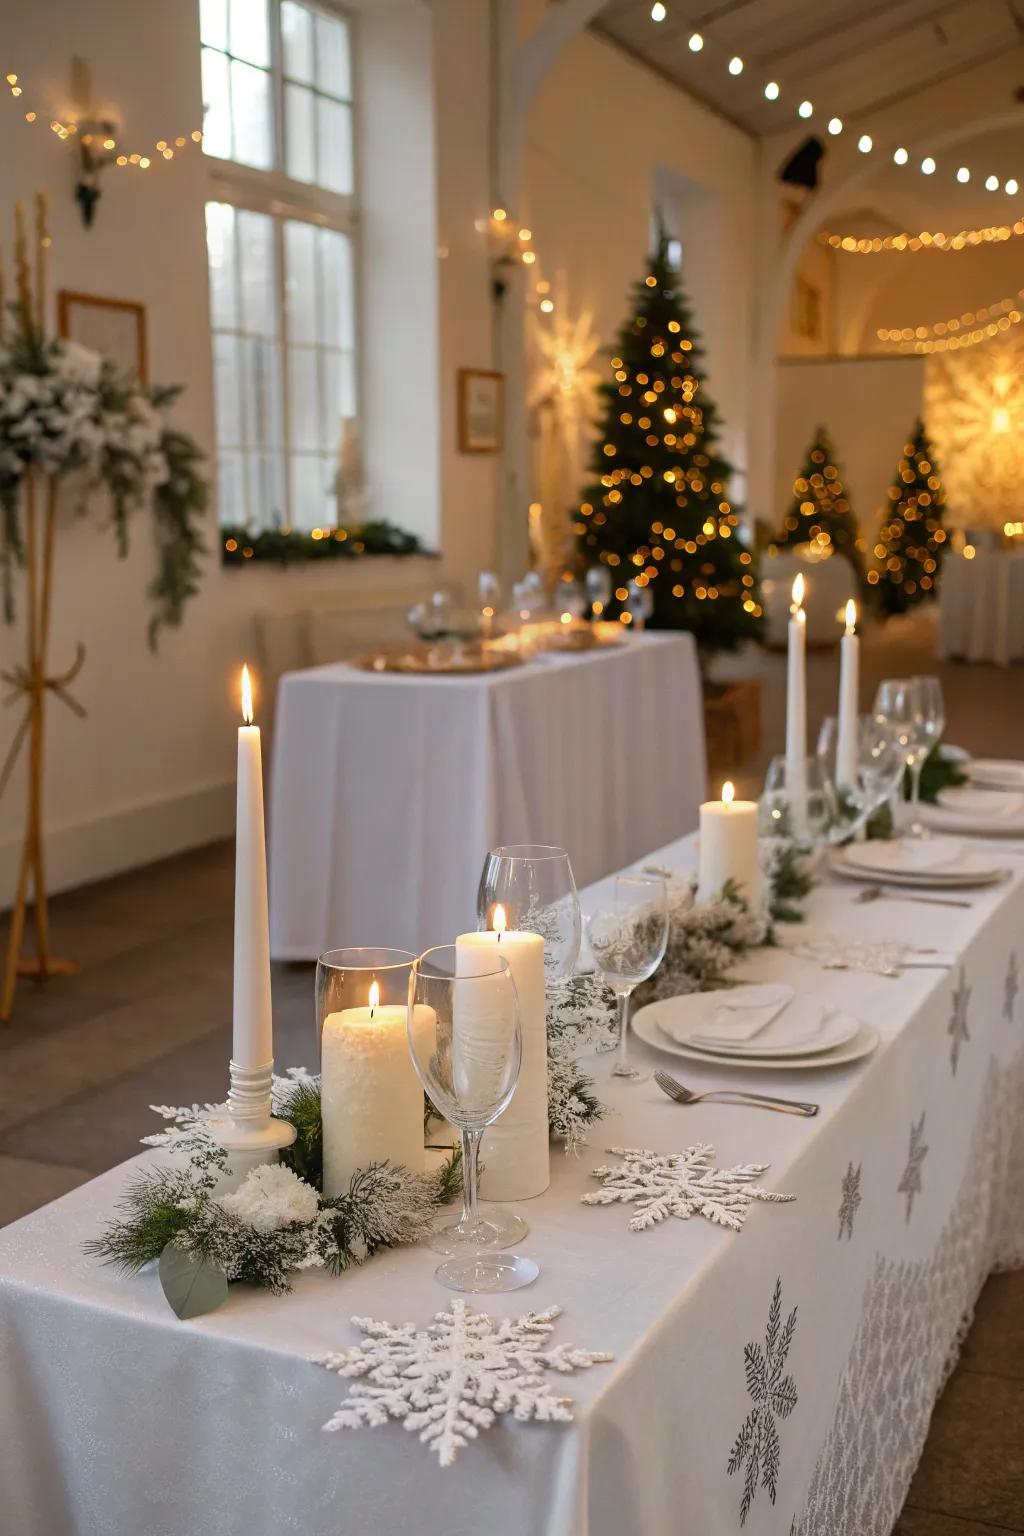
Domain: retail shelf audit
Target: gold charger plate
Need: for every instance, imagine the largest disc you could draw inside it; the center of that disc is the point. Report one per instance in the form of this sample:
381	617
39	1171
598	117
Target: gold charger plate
437	661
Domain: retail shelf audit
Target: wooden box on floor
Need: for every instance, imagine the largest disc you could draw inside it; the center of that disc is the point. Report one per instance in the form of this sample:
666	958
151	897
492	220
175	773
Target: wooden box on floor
732	723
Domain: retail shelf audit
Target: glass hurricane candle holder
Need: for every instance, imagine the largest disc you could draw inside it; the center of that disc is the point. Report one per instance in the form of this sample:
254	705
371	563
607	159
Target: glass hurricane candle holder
534	886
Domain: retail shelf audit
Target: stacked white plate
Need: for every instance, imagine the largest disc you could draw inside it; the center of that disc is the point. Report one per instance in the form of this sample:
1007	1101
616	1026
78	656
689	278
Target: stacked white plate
767	1027
977	812
929	862
996	773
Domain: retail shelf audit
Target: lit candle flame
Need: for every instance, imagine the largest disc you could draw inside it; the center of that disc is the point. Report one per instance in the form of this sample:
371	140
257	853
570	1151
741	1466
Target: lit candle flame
246	696
851	617
374	996
728	792
499	922
798	593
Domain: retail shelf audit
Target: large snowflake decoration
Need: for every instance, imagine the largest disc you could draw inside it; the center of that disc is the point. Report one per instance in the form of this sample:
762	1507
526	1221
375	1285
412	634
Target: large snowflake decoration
850	1200
682	1184
1011	986
910	1184
450	1380
957	1027
774	1397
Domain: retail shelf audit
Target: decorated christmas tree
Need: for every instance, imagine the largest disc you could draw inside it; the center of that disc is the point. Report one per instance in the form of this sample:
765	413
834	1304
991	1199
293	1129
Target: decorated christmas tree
820	512
659	513
911	539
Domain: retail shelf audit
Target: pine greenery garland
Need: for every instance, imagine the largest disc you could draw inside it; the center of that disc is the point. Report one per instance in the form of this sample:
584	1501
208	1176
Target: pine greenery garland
290	546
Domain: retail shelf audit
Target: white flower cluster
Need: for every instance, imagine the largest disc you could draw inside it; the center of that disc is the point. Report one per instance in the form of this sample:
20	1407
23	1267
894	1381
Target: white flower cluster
68	410
272	1196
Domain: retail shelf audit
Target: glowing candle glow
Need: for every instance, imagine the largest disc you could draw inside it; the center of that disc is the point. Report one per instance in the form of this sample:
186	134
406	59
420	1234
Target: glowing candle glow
728	847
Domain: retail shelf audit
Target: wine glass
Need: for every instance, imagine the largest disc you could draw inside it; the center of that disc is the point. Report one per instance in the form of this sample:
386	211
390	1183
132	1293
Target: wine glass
903	703
878	771
628	938
778	815
880	760
571	598
468	1063
488	590
534	885
639	603
598	582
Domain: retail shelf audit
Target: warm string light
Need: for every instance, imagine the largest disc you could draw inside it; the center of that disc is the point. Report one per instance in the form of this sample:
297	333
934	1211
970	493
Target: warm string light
965	330
103	141
910	542
925	240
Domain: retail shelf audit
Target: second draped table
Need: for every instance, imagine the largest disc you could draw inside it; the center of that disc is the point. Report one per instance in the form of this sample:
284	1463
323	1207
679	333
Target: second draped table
387	791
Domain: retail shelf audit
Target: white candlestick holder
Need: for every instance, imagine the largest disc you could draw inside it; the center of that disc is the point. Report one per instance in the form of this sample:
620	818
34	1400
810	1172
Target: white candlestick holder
247	1130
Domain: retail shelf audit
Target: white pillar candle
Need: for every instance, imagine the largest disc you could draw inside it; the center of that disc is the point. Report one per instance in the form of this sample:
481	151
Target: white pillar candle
796	712
252	1043
728	848
515	1151
849	698
372	1102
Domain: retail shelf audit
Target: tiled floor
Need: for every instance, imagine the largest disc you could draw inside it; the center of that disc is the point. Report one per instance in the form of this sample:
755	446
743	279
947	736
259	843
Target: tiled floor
146	1021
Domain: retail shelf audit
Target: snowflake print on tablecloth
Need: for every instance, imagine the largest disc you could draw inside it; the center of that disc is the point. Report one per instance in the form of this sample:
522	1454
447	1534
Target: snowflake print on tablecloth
910	1184
450	1380
774	1397
682	1184
957	1027
850	1200
1011	986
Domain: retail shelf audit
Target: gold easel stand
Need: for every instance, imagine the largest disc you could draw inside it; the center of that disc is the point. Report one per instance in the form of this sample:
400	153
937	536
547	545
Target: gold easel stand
32	683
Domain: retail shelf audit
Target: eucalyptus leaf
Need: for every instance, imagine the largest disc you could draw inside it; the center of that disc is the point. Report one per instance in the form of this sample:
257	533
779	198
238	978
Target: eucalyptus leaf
192	1286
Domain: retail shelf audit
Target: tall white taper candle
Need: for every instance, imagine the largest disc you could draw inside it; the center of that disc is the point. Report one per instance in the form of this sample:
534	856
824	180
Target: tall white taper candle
849	691
796	712
252	1043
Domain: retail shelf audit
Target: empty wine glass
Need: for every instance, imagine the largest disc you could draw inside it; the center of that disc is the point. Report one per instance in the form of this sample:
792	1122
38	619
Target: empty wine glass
880	760
628	938
468	1063
534	885
902	702
571	597
639	604
779	817
878	771
598	582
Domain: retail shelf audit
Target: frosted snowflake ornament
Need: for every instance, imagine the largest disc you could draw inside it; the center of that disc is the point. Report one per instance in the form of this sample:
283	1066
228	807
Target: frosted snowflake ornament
451	1380
682	1184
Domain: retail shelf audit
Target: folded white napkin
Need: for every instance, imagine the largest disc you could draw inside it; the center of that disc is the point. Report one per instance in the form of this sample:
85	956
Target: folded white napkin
796	1024
743	1012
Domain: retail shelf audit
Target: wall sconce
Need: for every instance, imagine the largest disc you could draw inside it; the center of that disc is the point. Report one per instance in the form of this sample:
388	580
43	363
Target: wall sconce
96	147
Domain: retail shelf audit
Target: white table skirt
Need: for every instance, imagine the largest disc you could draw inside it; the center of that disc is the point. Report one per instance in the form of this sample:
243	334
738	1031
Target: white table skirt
115	1419
387	792
981	608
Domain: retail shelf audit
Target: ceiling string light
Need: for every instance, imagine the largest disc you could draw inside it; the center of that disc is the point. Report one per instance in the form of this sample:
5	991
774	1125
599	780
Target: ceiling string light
965	330
925	240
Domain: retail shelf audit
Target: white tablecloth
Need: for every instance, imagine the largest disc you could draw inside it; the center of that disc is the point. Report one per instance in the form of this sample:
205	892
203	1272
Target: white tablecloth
388	791
115	1419
981	607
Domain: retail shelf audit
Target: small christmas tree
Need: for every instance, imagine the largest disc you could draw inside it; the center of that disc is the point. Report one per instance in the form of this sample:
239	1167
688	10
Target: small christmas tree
659	514
820	512
911	539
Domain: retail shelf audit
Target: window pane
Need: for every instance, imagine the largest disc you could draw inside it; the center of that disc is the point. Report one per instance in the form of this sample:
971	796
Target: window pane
300	280
310	482
347	391
261	392
299	147
303	398
297	41
226	375
250	36
251	121
216	105
220	245
329	480
230	488
333	72
266	507
213	23
335	289
330	403
259	280
334	145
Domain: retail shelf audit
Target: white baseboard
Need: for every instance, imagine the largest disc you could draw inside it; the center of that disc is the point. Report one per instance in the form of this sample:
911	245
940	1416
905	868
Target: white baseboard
92	850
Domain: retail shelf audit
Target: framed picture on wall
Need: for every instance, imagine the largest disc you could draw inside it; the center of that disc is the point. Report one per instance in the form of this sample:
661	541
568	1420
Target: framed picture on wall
481	410
115	328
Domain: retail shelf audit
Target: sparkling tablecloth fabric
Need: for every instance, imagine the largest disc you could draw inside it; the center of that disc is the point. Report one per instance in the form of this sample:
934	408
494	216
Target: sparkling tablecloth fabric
118	1420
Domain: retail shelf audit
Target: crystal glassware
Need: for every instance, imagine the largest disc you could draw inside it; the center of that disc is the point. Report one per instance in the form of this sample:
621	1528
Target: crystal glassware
469	1065
775	814
534	885
879	769
598	582
639	604
488	591
628	937
571	597
911	706
344	978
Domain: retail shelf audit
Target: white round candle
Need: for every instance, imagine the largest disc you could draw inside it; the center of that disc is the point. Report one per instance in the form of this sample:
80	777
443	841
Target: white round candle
728	848
514	1151
372	1101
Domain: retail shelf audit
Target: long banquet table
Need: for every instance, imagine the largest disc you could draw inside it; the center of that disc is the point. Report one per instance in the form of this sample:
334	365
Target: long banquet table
117	1419
387	789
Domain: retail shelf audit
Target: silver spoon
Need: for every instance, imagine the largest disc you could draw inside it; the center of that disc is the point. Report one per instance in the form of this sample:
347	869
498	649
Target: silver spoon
675	1090
876	893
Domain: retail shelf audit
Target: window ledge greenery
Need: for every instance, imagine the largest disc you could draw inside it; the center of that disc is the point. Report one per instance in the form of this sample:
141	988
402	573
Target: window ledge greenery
291	546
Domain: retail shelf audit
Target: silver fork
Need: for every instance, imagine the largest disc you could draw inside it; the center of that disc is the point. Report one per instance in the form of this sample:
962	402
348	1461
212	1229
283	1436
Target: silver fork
876	893
675	1090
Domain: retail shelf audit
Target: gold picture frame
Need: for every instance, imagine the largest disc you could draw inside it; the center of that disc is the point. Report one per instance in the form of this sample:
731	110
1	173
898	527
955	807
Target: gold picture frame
481	410
115	328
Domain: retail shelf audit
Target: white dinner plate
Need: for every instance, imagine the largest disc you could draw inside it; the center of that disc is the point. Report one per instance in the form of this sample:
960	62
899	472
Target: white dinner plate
644	1023
996	772
917	857
975	870
993	804
693	1013
951	817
